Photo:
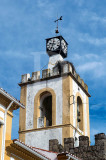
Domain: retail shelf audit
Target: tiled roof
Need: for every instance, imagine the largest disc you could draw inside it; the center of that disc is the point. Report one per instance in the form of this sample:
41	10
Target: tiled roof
68	155
45	153
50	155
2	91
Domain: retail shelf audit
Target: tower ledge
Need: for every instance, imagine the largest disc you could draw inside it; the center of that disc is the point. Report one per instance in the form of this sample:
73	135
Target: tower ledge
61	69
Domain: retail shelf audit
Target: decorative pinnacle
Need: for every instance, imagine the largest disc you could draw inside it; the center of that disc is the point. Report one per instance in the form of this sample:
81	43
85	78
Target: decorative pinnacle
56	31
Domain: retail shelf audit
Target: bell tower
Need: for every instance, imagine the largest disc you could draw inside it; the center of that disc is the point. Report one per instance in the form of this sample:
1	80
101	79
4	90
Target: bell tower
56	100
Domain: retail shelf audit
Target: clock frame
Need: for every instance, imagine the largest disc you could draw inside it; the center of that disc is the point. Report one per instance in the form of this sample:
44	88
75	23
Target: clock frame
53	49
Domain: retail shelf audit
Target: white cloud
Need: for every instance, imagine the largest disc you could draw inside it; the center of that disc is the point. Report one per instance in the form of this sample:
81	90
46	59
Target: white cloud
92	64
89	66
79	2
42	3
92	40
50	8
95	129
98	19
91	16
15	54
87	56
98	106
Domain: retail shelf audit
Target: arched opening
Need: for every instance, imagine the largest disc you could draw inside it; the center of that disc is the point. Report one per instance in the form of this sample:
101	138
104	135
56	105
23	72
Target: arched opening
45	108
38	100
79	113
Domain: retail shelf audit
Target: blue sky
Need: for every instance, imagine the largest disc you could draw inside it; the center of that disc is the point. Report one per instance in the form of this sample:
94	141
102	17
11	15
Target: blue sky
24	26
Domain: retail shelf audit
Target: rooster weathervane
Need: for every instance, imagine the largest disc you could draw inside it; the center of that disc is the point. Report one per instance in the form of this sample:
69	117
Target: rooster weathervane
57	31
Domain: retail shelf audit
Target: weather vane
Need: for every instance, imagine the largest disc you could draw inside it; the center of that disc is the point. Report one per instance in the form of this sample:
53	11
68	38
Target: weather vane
56	31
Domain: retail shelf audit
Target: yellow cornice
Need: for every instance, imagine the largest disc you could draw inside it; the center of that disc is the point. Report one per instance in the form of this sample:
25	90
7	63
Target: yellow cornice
51	127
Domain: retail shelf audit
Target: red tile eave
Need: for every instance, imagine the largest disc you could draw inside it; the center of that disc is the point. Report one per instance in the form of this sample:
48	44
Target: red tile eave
45	150
31	148
69	154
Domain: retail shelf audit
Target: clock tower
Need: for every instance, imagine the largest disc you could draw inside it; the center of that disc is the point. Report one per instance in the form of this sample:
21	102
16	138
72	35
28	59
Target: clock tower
56	100
56	48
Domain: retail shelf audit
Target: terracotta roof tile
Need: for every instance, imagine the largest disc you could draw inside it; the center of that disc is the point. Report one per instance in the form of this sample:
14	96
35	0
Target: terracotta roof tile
50	155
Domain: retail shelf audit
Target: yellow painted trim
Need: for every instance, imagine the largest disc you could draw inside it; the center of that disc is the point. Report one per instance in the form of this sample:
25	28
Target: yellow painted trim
37	103
71	106
67	108
22	119
88	123
8	127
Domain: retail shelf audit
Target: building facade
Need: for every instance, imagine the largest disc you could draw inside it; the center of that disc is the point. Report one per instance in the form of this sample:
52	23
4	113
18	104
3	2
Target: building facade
7	105
54	105
56	100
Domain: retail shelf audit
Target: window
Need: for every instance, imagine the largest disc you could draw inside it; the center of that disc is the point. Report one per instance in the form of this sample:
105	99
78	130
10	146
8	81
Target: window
45	107
79	113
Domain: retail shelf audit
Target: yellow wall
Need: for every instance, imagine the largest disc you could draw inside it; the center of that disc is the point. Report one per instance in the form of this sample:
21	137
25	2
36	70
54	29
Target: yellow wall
67	108
8	126
22	119
7	154
71	105
1	134
88	123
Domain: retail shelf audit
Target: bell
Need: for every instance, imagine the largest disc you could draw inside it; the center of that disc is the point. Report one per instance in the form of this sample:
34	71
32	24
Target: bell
78	120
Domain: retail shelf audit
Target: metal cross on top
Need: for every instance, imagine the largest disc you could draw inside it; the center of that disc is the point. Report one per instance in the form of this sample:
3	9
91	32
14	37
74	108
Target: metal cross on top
56	31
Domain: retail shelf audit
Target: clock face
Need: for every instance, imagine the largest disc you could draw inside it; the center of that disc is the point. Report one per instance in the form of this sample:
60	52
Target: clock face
53	44
64	46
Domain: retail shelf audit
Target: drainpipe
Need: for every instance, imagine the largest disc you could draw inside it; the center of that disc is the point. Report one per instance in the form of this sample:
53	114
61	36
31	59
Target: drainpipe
4	130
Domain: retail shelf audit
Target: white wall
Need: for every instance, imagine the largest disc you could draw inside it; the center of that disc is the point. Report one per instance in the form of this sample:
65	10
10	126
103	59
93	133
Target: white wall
32	90
40	139
43	136
75	90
